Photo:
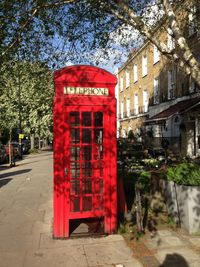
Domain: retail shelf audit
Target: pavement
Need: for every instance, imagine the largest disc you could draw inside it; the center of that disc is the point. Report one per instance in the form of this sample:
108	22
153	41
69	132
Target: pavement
26	229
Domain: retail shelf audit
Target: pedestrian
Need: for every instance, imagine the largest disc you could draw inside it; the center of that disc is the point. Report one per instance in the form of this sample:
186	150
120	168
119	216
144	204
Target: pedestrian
12	155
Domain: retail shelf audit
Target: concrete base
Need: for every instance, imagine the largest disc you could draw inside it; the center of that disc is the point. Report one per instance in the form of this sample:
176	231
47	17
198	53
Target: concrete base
183	204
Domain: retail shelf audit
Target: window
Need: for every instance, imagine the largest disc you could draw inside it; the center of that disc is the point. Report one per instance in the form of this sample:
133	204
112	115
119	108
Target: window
170	39
156	54
144	65
127	79
145	101
122	109
121	84
171	84
156	91
135	73
192	20
128	107
192	86
136	106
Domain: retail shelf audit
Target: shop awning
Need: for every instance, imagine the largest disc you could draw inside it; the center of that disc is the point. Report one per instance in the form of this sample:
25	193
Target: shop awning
178	108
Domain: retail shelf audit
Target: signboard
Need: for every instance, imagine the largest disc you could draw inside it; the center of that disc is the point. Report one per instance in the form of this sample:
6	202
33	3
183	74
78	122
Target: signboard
86	91
21	136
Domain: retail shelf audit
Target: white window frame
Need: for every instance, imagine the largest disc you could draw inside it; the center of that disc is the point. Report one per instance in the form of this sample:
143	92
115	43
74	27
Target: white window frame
145	101
144	65
171	83
136	104
135	73
156	54
192	20
127	78
121	84
192	85
122	109
128	107
156	91
170	40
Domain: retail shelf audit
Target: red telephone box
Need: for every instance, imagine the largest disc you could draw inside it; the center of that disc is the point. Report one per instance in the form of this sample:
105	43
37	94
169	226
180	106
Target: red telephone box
84	148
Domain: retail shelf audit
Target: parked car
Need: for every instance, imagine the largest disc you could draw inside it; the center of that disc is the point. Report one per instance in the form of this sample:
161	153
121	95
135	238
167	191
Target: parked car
25	146
3	156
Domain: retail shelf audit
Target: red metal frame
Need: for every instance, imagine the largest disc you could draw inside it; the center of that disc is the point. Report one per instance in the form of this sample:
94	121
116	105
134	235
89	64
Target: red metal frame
69	138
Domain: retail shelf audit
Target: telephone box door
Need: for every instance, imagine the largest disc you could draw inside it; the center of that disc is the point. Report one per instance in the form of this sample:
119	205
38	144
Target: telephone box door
84	162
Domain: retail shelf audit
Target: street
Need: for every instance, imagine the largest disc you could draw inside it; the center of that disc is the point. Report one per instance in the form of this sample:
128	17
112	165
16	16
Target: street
26	224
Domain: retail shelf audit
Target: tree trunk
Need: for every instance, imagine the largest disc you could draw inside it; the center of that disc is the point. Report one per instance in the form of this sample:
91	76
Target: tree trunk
138	209
32	137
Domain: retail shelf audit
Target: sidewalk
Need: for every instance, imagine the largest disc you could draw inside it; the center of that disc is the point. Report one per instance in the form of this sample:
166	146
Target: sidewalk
168	248
26	230
26	224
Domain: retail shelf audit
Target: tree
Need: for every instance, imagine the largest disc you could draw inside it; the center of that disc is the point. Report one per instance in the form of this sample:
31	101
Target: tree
26	98
71	29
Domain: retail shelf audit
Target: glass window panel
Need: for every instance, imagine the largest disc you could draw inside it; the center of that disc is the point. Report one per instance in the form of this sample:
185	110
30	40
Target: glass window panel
98	136
86	135
86	169
86	118
98	119
87	203
74	187
86	152
75	153
75	204
74	118
75	173
75	136
75	169
87	186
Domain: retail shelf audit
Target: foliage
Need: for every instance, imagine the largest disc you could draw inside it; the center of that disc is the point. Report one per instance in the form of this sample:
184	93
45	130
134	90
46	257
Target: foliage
144	180
92	30
151	163
26	97
184	174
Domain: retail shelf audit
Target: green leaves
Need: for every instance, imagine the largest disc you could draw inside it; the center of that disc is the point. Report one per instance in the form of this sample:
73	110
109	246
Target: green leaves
26	95
184	174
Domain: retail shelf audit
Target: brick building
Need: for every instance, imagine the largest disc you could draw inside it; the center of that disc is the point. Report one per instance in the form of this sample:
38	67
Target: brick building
156	100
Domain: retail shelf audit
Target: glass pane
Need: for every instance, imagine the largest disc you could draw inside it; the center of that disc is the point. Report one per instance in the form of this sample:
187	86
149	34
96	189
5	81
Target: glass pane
98	119
75	204
86	169
86	118
87	186
74	118
98	136
75	136
75	153
75	169
86	135
86	152
74	187
87	203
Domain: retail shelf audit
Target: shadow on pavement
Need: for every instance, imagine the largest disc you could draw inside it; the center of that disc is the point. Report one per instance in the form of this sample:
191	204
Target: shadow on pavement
10	174
174	260
4	181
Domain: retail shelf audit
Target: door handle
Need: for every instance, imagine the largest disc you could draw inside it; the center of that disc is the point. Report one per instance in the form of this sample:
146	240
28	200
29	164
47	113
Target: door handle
66	171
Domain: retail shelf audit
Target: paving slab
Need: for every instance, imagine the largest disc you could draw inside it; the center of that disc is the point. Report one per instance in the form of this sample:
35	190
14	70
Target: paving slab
178	257
73	256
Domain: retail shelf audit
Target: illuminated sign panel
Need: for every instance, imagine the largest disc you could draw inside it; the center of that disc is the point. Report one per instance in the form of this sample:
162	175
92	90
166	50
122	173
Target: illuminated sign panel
86	91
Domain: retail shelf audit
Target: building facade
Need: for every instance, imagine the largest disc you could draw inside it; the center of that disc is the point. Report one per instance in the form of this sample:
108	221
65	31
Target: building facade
156	100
